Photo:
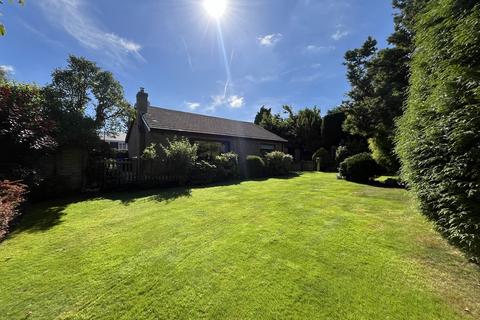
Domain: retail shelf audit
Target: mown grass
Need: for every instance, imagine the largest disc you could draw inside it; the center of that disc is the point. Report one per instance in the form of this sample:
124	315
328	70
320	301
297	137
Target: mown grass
305	247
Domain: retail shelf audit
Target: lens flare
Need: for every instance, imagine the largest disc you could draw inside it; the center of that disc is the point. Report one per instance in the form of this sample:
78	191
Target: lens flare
215	8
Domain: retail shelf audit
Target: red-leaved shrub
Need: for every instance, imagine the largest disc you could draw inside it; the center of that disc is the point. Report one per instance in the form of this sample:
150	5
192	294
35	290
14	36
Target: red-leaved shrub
12	195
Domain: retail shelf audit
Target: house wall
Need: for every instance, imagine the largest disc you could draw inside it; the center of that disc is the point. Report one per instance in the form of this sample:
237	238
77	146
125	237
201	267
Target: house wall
133	141
241	146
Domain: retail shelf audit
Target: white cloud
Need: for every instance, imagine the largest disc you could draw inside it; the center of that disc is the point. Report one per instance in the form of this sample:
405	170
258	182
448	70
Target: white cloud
233	101
8	69
193	105
339	34
236	101
318	49
73	18
270	40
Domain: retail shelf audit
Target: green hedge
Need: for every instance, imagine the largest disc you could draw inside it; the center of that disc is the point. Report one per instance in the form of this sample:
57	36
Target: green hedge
360	168
439	136
255	167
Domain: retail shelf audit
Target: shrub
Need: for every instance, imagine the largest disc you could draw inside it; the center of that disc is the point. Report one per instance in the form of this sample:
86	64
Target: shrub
321	158
360	168
350	148
150	152
278	163
227	165
341	154
255	167
180	156
12	195
439	134
204	172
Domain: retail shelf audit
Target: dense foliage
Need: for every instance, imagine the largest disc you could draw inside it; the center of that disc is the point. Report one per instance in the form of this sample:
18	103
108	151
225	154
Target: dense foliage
255	167
278	163
227	165
12	195
26	131
379	85
83	88
359	168
439	135
180	156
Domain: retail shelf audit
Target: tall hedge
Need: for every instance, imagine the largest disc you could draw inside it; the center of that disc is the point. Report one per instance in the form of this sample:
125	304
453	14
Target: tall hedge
438	137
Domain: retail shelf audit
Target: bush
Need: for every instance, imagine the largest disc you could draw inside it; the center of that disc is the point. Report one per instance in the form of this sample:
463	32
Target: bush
341	154
439	134
12	195
227	165
204	172
278	163
255	167
360	168
150	152
180	156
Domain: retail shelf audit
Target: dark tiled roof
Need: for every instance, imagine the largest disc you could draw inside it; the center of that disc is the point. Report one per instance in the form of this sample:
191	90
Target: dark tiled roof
166	119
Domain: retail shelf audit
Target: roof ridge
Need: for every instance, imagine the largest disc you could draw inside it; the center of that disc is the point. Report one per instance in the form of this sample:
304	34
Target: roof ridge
204	115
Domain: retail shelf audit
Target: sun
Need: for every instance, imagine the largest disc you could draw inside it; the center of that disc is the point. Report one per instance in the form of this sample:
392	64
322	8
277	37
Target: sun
215	8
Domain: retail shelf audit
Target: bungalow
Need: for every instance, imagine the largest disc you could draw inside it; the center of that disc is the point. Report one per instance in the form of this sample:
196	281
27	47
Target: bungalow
213	134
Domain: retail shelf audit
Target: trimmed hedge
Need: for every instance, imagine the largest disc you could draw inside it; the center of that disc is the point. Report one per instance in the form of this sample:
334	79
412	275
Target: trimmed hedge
439	134
255	167
278	163
359	168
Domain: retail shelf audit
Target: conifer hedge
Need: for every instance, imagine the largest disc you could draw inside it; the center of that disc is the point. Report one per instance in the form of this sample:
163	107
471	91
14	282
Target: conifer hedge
438	137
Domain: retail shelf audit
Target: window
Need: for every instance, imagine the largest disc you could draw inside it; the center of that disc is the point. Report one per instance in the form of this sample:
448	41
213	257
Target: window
122	146
208	150
266	148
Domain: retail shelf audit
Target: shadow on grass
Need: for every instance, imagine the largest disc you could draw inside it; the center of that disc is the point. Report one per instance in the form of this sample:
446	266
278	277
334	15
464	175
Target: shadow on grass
42	216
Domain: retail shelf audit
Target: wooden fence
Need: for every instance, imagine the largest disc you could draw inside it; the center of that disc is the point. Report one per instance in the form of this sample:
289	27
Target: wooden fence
118	173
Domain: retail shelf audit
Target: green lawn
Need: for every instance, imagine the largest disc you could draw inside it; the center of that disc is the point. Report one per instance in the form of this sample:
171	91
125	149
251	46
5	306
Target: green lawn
305	247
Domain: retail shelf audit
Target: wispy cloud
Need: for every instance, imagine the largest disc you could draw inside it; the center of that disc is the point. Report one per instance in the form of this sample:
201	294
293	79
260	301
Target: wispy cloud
189	58
312	48
270	40
74	19
339	34
8	69
193	105
261	79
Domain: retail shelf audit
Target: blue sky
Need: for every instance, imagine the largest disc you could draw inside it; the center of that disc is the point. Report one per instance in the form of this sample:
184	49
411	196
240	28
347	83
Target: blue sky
275	51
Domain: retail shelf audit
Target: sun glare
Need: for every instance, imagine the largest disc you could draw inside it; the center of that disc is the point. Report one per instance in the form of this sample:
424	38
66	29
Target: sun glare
215	8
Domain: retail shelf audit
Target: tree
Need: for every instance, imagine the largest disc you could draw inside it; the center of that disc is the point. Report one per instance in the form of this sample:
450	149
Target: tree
308	129
2	27
85	89
332	128
379	80
26	130
260	114
439	135
3	75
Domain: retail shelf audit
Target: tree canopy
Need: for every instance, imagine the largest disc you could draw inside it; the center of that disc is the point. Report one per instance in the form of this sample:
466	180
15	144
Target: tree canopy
85	89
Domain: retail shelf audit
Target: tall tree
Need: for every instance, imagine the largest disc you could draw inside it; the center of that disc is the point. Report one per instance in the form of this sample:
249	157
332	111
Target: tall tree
379	84
83	88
